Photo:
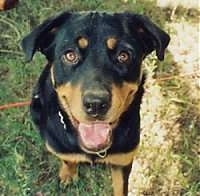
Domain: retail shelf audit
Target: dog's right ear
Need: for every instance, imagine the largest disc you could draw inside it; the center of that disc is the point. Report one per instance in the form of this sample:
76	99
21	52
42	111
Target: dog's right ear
41	38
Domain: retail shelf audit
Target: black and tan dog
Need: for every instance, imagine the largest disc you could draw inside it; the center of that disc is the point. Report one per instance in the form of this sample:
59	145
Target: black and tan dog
86	102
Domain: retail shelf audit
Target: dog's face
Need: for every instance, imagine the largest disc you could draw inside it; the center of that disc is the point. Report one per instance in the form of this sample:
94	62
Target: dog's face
96	67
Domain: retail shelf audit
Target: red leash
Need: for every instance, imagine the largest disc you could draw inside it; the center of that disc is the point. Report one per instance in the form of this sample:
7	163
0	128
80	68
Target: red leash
14	105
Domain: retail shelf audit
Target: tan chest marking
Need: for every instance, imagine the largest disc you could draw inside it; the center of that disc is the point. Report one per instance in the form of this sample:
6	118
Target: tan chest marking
120	159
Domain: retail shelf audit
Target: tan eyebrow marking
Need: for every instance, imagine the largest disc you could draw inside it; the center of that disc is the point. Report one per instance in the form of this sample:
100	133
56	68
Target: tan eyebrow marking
111	43
83	42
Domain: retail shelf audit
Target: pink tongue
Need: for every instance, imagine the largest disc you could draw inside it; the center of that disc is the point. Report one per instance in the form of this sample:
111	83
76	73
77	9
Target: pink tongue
94	135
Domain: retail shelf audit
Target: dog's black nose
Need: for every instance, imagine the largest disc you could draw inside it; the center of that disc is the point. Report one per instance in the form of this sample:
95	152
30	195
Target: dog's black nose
96	103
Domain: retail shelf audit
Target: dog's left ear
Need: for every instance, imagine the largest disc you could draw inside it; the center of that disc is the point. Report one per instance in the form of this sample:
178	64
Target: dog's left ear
152	37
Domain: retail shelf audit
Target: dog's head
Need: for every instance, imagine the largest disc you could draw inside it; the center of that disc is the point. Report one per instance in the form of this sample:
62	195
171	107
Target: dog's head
96	67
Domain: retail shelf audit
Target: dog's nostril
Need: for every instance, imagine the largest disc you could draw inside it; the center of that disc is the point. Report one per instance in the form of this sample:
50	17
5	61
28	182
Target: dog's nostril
89	107
104	105
95	105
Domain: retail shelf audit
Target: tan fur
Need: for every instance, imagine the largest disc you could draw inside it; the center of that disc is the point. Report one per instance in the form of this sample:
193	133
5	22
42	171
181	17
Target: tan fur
128	90
67	172
71	157
121	99
2	4
70	100
121	159
83	42
117	181
111	43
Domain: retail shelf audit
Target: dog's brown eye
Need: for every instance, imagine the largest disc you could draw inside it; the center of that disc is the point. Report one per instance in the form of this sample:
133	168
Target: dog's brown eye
71	57
123	57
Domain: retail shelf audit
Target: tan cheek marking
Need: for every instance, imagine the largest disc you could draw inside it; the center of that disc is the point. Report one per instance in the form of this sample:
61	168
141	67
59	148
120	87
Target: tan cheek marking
83	42
64	93
121	99
111	43
129	89
70	100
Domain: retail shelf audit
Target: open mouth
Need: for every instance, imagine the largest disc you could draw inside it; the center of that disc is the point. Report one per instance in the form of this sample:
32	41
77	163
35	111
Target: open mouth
95	137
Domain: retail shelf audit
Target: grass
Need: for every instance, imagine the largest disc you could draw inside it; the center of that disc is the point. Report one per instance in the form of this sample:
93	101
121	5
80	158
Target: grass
168	160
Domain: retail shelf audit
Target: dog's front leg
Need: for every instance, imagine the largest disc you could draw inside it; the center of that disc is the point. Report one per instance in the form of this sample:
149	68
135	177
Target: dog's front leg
120	177
67	172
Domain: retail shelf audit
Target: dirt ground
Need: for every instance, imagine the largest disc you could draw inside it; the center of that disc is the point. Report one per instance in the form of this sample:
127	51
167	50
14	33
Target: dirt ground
165	164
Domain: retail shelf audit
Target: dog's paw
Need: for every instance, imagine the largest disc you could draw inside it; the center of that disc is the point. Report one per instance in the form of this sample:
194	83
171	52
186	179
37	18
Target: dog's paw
68	173
67	178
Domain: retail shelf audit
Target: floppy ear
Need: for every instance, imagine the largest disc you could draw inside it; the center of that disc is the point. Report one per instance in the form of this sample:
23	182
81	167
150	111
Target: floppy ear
42	37
152	37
